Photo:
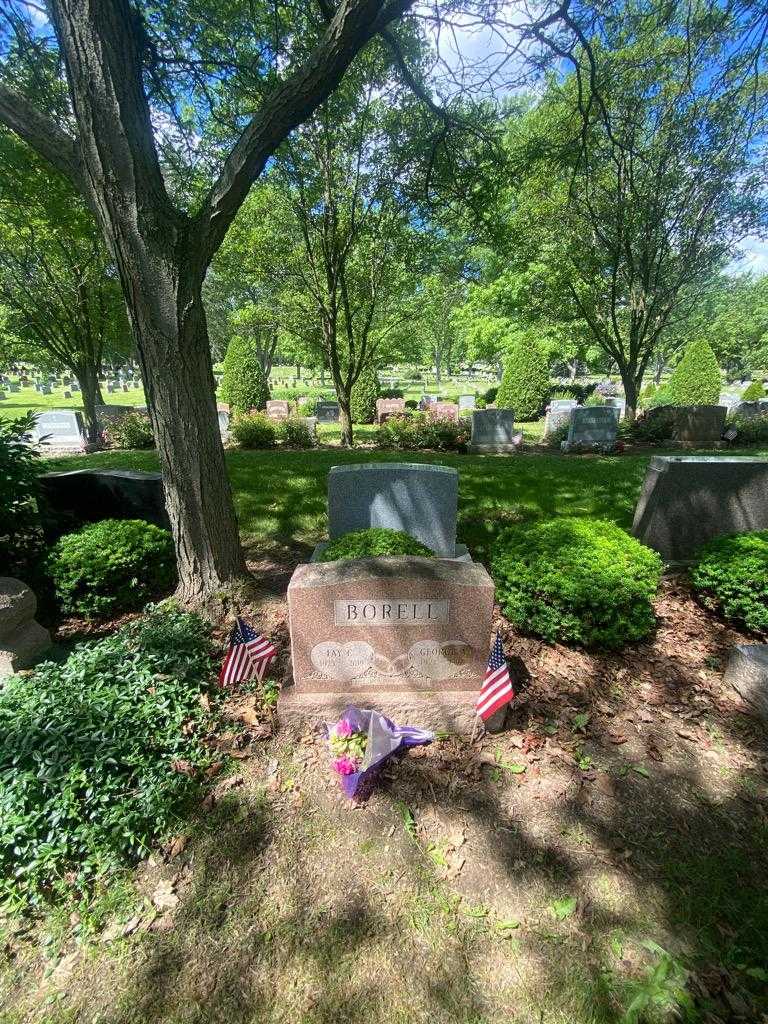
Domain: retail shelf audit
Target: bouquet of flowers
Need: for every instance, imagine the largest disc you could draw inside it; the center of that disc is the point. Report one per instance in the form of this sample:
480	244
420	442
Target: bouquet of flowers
362	740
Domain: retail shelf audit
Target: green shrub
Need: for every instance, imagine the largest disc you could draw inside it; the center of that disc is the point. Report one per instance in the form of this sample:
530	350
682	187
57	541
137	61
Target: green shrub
574	580
365	391
490	395
376	542
112	566
651	427
595	399
411	403
132	431
752	430
295	432
696	378
525	385
754	392
410	431
253	430
243	384
731	575
556	437
391	393
87	752
20	535
647	394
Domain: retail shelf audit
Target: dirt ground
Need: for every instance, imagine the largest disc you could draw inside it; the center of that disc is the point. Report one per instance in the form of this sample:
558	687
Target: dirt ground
602	860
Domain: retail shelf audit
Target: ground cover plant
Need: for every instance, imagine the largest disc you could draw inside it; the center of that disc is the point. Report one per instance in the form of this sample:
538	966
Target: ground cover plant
113	566
731	575
581	581
20	538
87	753
376	542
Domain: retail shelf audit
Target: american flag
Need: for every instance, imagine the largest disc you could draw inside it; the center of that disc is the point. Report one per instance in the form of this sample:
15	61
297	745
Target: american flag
497	689
248	655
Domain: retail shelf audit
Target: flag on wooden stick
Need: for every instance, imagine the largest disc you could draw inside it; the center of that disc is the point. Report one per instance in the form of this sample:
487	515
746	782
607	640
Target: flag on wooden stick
497	689
248	655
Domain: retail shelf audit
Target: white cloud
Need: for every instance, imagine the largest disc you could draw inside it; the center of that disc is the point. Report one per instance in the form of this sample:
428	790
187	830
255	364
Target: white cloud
754	258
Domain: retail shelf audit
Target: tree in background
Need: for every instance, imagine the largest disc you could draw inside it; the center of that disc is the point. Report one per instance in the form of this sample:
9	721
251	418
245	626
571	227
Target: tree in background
696	378
754	392
243	384
525	385
365	391
63	309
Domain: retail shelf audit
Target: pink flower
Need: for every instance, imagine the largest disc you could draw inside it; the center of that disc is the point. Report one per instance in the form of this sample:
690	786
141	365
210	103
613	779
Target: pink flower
343	729
344	765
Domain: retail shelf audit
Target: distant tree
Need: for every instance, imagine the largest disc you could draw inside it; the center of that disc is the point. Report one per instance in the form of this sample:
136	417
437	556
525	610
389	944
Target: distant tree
365	391
696	379
525	385
754	392
243	383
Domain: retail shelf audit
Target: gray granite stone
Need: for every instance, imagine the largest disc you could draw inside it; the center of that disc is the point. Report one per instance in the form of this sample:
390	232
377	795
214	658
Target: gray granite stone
493	430
22	639
688	499
60	428
699	426
419	499
327	412
593	425
747	673
558	412
89	495
751	410
467	403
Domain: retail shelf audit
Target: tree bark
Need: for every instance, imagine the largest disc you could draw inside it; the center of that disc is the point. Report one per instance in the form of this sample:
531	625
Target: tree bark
629	382
345	421
87	378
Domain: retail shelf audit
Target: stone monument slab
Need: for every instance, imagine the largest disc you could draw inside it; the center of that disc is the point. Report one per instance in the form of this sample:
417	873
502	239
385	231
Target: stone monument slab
751	410
278	409
493	430
699	426
593	425
60	428
445	411
22	639
327	412
688	499
386	407
558	413
408	637
467	403
747	673
89	495
419	499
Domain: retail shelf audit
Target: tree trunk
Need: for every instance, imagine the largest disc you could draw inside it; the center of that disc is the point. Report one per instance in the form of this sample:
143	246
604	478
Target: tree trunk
298	371
438	370
174	353
573	370
87	378
345	421
629	380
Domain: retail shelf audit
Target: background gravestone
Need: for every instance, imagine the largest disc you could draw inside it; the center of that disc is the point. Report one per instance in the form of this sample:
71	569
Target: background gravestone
61	428
558	413
699	426
688	499
278	409
493	430
467	403
88	495
593	424
386	407
751	410
420	500
327	412
446	411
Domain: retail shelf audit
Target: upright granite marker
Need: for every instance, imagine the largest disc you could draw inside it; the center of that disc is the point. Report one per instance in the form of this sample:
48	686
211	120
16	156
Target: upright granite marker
699	426
417	498
89	495
747	673
592	425
408	637
60	428
493	430
386	407
327	412
445	411
558	412
278	410
688	499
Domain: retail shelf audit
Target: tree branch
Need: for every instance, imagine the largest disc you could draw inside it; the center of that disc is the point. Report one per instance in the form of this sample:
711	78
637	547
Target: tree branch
352	26
42	134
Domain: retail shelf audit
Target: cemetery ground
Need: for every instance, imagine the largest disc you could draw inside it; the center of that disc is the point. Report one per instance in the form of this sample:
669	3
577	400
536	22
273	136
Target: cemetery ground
603	861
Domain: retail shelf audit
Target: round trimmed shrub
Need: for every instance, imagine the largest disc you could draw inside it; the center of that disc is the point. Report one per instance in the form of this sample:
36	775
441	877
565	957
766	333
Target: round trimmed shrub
490	395
113	566
731	575
365	391
243	384
696	378
377	542
576	580
754	392
132	431
525	385
254	430
296	433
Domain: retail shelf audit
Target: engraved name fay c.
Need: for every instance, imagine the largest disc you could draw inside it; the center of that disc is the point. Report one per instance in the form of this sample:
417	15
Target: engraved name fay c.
390	612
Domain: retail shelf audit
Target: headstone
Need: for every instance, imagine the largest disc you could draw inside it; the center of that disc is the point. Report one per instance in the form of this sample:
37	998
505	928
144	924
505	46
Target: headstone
22	639
3	396
408	637
327	412
14	389
60	428
751	410
278	410
418	499
67	394
448	412
386	407
747	673
493	430
467	403
426	401
699	426
88	495
110	388
558	413
592	425
617	403
44	389
688	499
125	387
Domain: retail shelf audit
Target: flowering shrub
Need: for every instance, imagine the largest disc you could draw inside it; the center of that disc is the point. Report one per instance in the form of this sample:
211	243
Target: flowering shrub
412	431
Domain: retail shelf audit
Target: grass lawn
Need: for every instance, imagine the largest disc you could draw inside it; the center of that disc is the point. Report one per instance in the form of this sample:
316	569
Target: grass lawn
281	496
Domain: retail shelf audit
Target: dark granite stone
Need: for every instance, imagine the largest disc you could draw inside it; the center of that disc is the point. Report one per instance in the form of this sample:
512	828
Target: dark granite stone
688	499
89	495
